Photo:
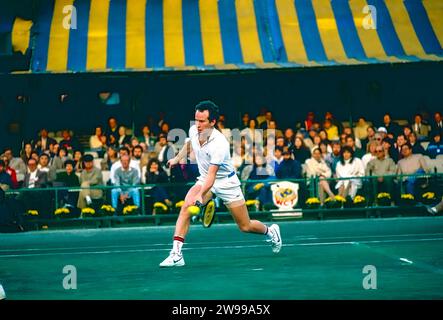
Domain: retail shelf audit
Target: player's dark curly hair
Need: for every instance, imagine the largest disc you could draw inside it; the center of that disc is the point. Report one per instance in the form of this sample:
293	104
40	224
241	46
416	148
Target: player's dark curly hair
211	107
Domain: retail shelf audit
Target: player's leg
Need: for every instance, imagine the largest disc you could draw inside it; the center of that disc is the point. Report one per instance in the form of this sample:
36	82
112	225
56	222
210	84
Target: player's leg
175	257
239	212
436	209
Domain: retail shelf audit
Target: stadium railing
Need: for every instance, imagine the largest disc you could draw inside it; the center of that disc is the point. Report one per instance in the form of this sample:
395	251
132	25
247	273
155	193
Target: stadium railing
370	200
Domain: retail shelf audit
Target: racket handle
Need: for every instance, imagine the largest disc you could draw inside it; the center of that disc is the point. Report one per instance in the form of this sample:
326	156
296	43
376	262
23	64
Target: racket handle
199	204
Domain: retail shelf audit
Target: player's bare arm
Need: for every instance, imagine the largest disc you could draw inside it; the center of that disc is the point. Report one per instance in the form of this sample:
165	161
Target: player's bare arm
182	154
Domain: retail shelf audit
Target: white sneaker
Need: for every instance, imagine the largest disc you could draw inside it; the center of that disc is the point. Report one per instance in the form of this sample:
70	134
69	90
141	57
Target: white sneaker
432	210
173	260
275	238
2	293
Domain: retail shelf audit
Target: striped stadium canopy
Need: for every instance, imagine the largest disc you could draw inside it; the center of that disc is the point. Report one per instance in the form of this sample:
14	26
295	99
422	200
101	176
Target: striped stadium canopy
122	35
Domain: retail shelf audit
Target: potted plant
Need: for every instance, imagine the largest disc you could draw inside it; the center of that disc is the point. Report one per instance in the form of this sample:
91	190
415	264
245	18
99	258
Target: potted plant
62	213
359	202
384	199
313	203
32	214
106	210
130	210
429	198
407	200
335	202
89	213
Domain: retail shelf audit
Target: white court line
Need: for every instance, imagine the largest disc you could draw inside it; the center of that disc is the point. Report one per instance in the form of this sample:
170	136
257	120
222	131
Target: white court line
307	237
217	247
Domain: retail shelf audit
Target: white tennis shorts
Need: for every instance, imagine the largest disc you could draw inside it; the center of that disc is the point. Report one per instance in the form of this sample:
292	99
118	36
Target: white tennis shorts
228	189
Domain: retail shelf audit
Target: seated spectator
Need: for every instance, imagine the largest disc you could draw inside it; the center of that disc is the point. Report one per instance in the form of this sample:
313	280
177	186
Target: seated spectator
349	167
379	167
123	151
89	177
125	178
95	141
309	140
59	160
370	137
391	127
407	130
12	173
361	129
35	200
137	154
123	139
401	140
41	144
110	158
435	147
329	116
147	137
419	128
390	151
259	170
5	178
350	142
331	130
153	174
348	131
271	132
25	154
300	151
316	167
277	157
68	178
411	164
112	132
244	121
43	165
288	168
78	156
416	146
251	134
53	151
437	124
164	128
289	137
333	158
164	150
68	142
266	121
226	131
371	153
310	118
280	142
325	148
15	163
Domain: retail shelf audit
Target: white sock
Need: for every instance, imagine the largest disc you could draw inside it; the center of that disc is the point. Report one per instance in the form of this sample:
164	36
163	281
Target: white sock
177	245
268	233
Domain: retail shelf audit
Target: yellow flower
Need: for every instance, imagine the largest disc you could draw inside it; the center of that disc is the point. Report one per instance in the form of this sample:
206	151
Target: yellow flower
180	204
313	201
329	199
160	205
340	198
33	212
407	196
359	199
429	195
251	203
88	211
258	186
383	195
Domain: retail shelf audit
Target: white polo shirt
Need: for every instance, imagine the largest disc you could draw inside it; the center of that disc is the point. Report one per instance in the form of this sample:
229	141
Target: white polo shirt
215	151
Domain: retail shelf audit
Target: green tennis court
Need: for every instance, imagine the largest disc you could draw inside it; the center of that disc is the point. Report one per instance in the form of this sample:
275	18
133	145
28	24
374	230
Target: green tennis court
319	260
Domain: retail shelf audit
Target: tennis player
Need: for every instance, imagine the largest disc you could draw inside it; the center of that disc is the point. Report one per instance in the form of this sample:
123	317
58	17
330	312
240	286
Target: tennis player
217	177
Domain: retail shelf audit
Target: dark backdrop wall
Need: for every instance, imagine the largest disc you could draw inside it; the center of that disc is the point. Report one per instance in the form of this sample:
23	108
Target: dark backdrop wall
401	89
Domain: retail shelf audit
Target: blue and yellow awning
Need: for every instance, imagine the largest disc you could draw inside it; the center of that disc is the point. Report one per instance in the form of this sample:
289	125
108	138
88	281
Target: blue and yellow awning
121	35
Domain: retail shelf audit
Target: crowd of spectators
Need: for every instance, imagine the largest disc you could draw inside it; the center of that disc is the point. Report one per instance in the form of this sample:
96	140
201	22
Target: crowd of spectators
319	147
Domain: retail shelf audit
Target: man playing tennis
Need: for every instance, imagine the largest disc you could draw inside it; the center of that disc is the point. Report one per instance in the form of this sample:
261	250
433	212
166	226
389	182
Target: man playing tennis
217	176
